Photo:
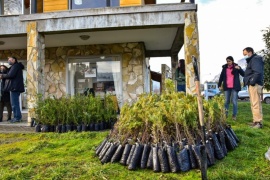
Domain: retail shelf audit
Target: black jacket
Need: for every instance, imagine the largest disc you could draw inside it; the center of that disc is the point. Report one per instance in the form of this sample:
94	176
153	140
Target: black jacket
236	80
5	96
14	78
254	70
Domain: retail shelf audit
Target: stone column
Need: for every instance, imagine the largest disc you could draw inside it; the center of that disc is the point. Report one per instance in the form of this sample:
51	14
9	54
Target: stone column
174	62
35	66
191	43
165	74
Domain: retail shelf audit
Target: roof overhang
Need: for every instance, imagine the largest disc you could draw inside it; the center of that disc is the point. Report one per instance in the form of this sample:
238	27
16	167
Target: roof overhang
160	27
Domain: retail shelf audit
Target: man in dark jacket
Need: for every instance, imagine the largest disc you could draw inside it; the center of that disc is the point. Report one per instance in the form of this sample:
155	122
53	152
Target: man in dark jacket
254	80
15	85
5	96
231	84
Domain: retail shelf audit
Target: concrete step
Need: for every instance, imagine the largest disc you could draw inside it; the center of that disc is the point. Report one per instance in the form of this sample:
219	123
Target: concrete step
21	127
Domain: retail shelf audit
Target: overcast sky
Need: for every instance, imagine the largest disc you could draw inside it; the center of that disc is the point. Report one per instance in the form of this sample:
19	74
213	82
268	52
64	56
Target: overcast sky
226	27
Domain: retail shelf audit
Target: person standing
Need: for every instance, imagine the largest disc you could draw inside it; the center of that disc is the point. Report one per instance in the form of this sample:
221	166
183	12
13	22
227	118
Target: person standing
180	76
231	84
5	96
254	80
15	85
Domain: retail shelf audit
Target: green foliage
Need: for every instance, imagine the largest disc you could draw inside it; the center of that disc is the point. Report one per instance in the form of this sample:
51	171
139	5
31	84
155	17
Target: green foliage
74	110
170	116
266	54
45	111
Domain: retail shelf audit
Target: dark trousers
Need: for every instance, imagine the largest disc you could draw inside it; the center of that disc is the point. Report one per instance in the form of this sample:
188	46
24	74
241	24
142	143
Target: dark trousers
2	105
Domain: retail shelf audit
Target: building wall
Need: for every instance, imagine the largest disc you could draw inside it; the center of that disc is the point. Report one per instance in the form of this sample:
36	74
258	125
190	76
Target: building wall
133	59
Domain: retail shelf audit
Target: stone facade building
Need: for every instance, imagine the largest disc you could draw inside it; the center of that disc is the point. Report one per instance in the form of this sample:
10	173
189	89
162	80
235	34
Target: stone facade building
106	49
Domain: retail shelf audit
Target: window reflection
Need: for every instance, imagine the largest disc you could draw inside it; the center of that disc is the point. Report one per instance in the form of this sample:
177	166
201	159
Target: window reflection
95	76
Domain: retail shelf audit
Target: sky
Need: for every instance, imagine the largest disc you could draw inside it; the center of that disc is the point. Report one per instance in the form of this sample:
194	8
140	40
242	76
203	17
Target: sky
226	27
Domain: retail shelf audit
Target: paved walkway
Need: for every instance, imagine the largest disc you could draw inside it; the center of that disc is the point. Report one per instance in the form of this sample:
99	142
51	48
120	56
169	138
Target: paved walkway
22	127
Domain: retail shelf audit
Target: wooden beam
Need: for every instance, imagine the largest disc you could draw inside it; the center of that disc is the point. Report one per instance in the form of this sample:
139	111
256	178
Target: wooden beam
158	53
178	41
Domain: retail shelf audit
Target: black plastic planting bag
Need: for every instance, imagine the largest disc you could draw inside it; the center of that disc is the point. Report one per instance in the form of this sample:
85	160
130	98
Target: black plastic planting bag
145	155
104	150
210	153
156	164
192	159
118	154
232	138
221	138
131	154
125	154
136	157
173	163
197	153
108	155
183	160
150	160
233	133
229	141
100	147
217	147
163	160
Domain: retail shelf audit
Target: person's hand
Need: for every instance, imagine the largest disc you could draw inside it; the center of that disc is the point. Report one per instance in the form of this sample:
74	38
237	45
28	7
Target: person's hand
1	76
220	88
237	67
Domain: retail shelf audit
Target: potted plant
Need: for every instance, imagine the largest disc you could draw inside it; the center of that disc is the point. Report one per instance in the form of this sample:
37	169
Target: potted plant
77	111
68	115
110	110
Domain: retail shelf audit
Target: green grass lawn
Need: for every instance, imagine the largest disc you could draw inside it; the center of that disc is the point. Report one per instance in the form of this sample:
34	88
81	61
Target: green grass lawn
72	155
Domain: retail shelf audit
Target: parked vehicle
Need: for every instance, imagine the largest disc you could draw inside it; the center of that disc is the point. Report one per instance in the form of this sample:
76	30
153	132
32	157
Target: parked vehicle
244	95
266	96
210	90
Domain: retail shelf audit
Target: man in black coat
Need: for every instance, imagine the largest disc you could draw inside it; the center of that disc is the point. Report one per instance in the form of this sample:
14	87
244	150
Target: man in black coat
15	85
254	80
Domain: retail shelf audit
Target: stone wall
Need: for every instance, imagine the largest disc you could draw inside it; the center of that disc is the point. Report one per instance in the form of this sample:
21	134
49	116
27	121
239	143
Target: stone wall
132	67
19	53
55	66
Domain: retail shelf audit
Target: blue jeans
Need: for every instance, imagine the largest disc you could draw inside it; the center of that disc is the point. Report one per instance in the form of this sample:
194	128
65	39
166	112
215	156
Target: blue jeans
16	105
231	94
181	88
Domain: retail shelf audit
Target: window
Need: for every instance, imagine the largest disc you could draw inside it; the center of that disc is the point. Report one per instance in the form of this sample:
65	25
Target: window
82	4
95	76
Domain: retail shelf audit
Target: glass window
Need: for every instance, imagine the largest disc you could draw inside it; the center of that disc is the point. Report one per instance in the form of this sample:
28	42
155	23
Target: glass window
81	4
95	76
